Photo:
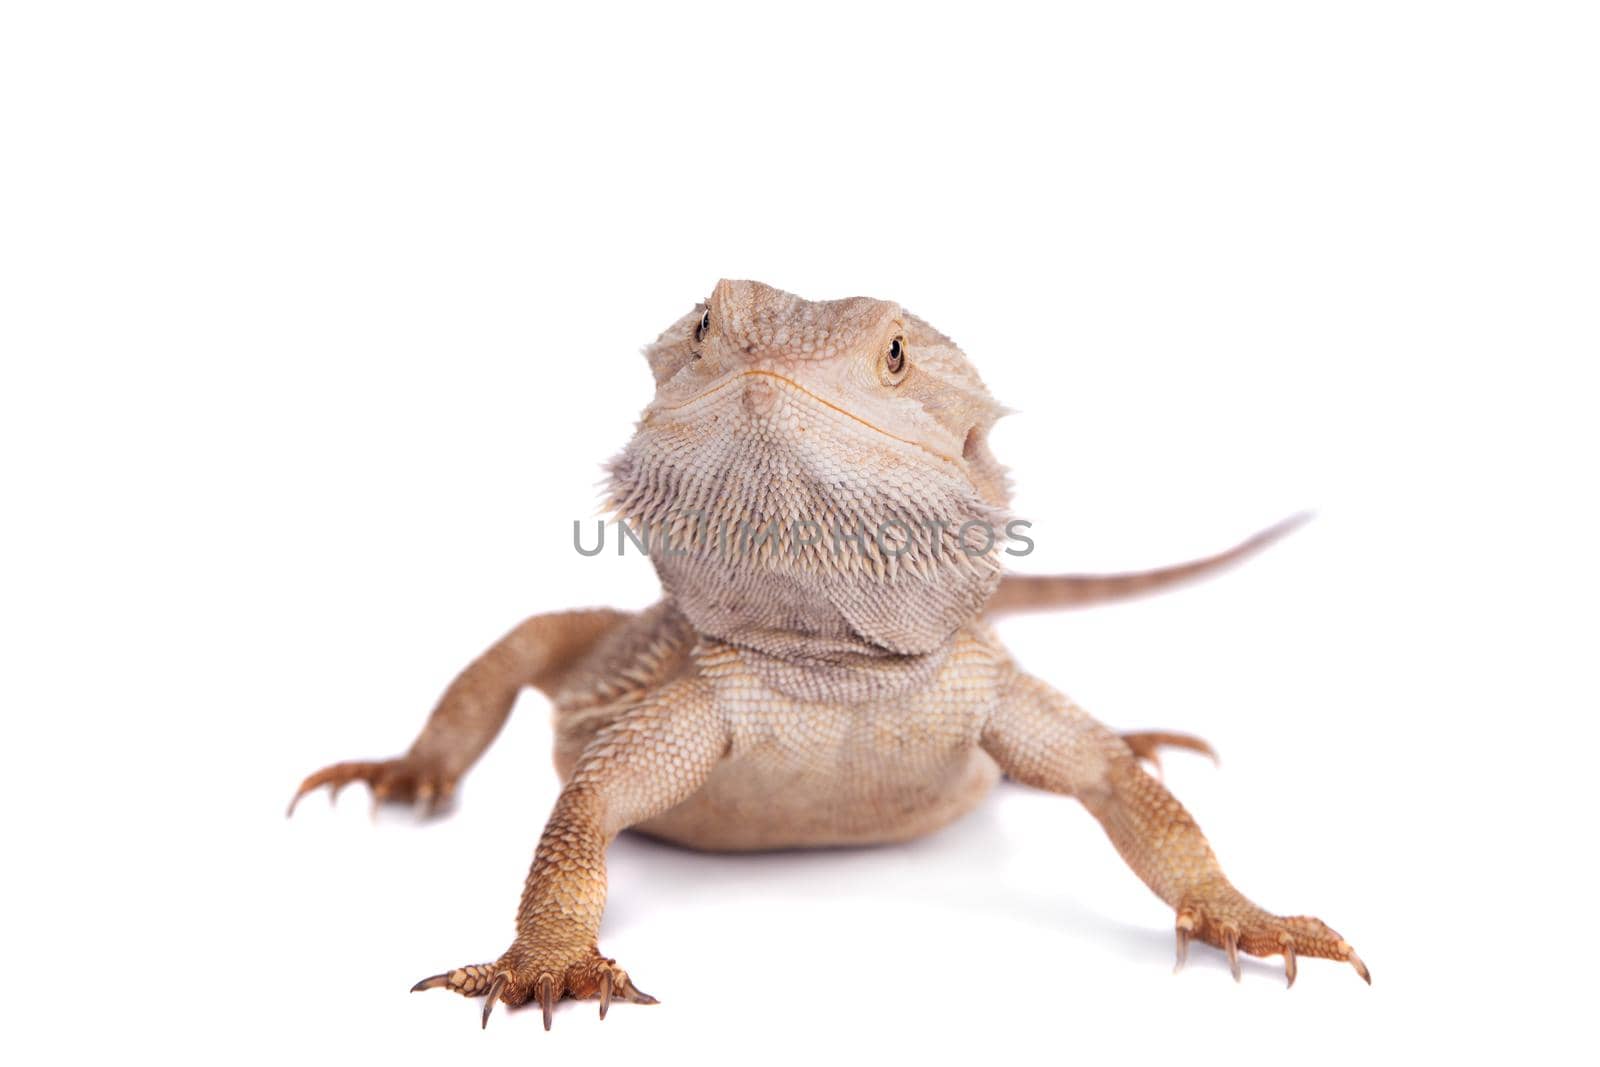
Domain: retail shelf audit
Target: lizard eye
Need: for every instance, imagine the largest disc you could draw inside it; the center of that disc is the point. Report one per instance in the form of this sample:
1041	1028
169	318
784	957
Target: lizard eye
896	360
704	328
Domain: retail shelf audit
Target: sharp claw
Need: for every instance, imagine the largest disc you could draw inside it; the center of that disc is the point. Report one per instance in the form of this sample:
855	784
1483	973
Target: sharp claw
312	784
1350	957
493	995
433	982
632	992
1185	928
1290	968
380	793
605	992
1230	942
547	997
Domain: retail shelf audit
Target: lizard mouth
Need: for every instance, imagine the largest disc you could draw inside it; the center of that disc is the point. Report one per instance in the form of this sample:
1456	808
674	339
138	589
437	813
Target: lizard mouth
773	378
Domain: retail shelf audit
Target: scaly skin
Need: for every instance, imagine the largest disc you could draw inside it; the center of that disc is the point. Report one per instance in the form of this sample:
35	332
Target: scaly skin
787	693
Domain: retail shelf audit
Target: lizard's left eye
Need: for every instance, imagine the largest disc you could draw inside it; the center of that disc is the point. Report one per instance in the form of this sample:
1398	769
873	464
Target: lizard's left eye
704	328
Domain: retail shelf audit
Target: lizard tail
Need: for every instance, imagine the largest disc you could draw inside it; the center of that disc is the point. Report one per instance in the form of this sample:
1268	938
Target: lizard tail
1021	593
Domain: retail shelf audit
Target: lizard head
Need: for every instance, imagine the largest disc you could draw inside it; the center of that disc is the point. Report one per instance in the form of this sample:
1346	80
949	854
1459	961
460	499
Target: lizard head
812	465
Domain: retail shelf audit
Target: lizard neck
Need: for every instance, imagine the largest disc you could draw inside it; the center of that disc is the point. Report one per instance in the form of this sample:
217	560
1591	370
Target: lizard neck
816	633
836	677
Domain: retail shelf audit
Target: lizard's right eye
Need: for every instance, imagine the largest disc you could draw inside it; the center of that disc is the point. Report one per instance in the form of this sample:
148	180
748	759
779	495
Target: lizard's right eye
704	328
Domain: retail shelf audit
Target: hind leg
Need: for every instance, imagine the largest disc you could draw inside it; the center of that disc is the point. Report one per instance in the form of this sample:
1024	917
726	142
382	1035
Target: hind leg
473	709
1042	739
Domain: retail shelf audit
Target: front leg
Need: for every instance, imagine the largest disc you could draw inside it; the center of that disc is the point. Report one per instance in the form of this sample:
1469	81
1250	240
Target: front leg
472	711
650	759
1041	738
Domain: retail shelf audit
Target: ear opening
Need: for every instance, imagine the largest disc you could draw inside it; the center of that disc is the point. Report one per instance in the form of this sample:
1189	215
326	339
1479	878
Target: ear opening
987	475
972	447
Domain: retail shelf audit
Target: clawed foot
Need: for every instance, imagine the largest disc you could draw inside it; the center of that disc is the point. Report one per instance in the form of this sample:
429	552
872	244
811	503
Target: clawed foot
1227	920
1147	745
519	976
407	779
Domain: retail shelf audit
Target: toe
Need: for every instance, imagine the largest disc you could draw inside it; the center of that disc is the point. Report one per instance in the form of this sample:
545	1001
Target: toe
437	981
493	995
1147	744
547	997
335	776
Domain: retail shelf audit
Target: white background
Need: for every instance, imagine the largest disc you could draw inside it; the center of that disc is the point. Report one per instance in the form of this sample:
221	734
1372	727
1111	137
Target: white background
318	320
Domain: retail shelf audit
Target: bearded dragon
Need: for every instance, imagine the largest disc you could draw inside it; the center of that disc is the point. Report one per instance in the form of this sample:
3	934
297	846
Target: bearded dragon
824	674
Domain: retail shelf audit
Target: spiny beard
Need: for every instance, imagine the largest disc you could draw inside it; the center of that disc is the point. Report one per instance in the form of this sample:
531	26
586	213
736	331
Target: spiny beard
793	510
814	547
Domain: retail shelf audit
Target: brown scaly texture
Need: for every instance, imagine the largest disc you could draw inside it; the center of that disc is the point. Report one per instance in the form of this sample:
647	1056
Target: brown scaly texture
819	671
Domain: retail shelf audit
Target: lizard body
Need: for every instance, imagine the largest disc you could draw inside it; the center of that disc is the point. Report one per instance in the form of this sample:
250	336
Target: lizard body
794	687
